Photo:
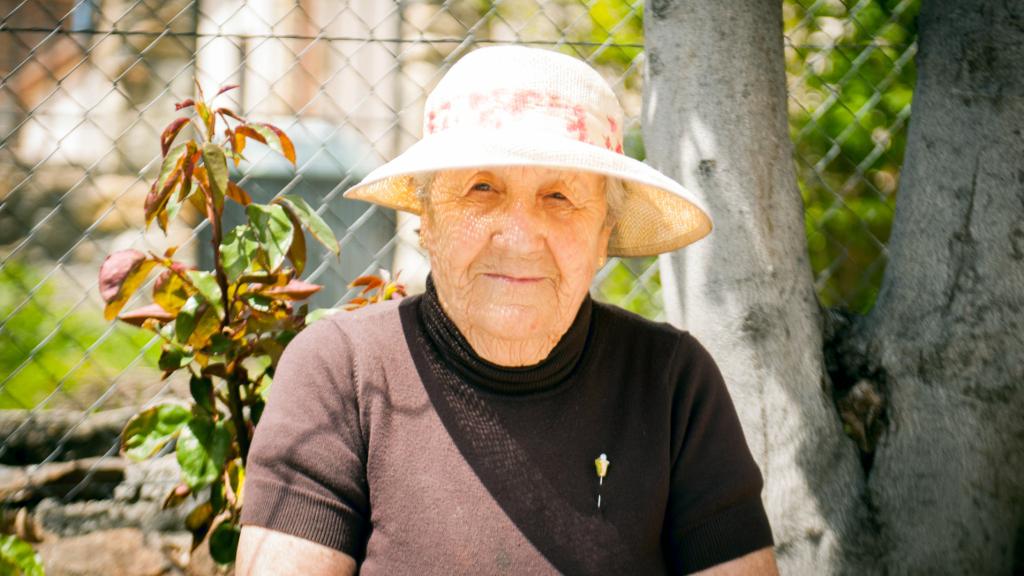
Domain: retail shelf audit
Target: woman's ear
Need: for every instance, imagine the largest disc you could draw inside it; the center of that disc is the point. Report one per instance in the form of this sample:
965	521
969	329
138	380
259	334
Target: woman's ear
602	244
424	229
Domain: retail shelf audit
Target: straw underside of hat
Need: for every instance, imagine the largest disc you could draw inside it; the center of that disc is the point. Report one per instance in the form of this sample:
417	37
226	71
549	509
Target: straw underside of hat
652	221
659	215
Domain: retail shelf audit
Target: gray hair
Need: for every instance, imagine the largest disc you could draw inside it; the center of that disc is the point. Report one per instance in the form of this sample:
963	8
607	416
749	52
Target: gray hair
614	193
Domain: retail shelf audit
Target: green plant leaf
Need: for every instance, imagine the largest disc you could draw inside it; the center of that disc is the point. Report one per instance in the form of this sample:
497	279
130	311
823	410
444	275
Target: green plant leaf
311	220
173	357
239	251
259	302
202	450
219	344
209	289
224	542
206	115
169	290
199	518
202	392
17	557
186	320
206	326
236	480
273	229
297	251
150	430
216	168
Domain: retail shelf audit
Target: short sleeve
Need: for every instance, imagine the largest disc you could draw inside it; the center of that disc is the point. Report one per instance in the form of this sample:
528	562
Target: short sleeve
305	474
715	513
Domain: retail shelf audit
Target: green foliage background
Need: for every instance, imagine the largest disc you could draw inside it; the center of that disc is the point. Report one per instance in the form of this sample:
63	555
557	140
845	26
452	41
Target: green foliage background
45	339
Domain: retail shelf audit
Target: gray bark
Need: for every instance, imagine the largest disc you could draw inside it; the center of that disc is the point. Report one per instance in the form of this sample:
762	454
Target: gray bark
943	346
948	328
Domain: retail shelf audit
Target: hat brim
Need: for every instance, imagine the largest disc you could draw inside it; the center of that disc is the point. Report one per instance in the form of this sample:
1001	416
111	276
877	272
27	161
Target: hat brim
659	214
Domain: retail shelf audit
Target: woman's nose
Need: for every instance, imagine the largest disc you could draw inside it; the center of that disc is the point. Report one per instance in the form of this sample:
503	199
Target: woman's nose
519	228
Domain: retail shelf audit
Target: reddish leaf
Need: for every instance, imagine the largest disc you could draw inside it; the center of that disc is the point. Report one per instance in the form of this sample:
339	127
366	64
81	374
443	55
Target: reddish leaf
225	89
236	193
237	145
170	133
176	496
114	270
248	132
229	112
121	274
355	304
139	315
287	147
295	290
272	136
369	282
170	176
157	198
186	170
184	104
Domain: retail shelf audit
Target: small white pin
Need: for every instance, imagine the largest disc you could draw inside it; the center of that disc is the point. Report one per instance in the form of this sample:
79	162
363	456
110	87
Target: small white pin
601	463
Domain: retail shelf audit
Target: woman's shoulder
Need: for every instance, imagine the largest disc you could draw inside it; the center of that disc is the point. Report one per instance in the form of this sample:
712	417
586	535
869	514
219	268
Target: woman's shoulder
381	318
342	336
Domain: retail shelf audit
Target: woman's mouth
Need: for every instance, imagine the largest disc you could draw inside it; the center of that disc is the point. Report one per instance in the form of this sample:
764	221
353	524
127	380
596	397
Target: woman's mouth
515	279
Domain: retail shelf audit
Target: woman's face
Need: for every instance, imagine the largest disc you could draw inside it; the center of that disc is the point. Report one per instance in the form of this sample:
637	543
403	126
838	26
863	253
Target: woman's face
513	250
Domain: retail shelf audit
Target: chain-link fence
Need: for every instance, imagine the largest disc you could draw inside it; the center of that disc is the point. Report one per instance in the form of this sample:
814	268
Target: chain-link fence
87	86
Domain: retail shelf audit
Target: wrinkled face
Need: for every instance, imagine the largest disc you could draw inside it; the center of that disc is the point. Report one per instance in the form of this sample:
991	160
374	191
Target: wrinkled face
513	250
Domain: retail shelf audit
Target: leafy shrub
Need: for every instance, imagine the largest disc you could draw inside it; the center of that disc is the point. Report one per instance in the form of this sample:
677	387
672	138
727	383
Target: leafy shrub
227	327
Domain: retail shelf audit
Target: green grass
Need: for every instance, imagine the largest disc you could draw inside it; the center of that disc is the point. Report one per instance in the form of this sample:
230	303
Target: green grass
44	342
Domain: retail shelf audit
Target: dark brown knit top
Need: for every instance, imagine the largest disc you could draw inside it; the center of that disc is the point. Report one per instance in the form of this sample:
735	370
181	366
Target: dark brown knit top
387	437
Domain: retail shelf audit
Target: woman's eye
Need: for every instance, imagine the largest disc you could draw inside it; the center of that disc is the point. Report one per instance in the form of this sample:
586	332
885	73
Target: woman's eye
482	187
558	196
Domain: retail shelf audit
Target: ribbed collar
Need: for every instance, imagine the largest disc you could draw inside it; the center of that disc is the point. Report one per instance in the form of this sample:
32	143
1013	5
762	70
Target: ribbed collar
456	353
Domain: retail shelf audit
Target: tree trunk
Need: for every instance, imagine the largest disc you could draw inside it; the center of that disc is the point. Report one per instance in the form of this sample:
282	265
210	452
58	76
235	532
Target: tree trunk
942	491
948	328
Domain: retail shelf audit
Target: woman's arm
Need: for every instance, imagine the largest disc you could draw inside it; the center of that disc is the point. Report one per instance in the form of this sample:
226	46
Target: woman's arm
263	552
758	563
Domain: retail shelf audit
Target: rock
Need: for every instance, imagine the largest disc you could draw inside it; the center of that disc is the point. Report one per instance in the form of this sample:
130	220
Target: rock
87	478
30	438
83	517
119	552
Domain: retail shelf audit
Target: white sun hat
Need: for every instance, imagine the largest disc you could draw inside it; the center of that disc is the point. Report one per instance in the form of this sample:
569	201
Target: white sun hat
520	106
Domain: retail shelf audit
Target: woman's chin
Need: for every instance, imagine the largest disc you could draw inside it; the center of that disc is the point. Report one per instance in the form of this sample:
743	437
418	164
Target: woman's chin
514	322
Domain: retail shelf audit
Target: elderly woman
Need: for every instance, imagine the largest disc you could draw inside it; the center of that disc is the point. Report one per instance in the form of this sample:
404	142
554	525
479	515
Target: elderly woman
503	421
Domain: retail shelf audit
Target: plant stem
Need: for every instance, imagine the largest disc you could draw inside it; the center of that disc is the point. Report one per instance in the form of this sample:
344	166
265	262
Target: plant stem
241	426
222	278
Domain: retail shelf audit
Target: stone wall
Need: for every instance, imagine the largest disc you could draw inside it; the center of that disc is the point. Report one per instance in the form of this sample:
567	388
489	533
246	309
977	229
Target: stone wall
87	510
